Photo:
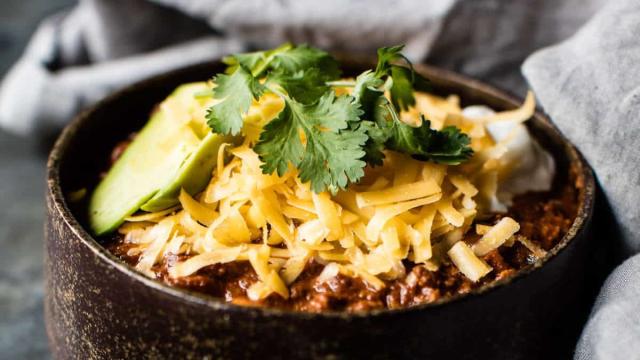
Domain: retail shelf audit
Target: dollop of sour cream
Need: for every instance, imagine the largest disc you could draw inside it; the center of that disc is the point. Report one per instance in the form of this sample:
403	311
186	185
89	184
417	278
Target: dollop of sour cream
524	165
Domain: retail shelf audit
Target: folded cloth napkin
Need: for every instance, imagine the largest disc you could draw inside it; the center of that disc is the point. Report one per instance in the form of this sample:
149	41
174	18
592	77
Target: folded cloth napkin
589	83
77	57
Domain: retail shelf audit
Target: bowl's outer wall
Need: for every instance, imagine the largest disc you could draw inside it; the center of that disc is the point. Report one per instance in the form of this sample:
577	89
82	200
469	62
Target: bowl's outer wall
97	308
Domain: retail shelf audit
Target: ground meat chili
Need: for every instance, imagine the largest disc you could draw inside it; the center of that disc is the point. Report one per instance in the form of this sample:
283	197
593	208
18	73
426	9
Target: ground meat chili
544	217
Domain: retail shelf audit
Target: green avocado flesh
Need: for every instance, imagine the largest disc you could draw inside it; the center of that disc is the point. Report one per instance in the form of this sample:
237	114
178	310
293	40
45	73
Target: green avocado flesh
174	150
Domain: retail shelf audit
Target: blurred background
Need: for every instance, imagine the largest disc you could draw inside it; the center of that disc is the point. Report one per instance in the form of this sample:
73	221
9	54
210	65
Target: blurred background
22	185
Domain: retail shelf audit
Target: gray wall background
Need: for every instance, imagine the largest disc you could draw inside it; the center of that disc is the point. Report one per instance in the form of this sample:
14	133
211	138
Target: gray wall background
22	161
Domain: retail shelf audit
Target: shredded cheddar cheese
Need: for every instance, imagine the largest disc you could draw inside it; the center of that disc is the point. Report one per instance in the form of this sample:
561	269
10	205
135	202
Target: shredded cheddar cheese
402	210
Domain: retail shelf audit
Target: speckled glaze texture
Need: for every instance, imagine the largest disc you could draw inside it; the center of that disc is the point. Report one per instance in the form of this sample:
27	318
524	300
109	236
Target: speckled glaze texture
99	308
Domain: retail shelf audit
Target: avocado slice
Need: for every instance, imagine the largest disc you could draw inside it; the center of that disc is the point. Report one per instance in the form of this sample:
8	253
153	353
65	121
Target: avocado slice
174	150
193	176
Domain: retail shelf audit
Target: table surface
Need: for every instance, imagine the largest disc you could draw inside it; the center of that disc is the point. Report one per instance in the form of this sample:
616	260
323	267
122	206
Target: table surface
22	186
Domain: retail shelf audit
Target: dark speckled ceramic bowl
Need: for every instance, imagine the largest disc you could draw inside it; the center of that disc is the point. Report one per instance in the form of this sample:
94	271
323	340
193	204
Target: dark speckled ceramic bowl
99	307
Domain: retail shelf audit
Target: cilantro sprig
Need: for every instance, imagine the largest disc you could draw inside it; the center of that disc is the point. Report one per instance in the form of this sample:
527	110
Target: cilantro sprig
329	138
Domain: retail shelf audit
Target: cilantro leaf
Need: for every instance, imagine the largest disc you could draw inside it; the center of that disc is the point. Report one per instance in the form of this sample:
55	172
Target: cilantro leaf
305	86
332	160
387	55
288	59
280	144
251	61
331	156
447	146
256	62
450	146
402	88
366	91
403	79
304	57
375	145
236	92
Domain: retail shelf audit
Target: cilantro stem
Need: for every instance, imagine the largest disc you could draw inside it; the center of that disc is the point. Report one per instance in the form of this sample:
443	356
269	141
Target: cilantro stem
204	94
392	112
341	83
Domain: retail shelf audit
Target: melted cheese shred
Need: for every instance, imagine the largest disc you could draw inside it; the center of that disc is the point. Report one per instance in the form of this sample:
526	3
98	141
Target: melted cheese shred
402	210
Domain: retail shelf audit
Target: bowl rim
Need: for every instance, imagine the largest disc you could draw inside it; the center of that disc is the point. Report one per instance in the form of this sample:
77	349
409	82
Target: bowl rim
54	191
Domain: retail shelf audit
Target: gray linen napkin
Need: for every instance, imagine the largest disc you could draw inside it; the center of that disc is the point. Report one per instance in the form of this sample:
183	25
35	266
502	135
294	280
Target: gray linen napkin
589	84
77	57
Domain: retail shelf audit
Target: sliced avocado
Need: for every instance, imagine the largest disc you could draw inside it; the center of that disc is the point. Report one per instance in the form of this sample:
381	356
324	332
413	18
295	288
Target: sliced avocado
171	152
193	176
